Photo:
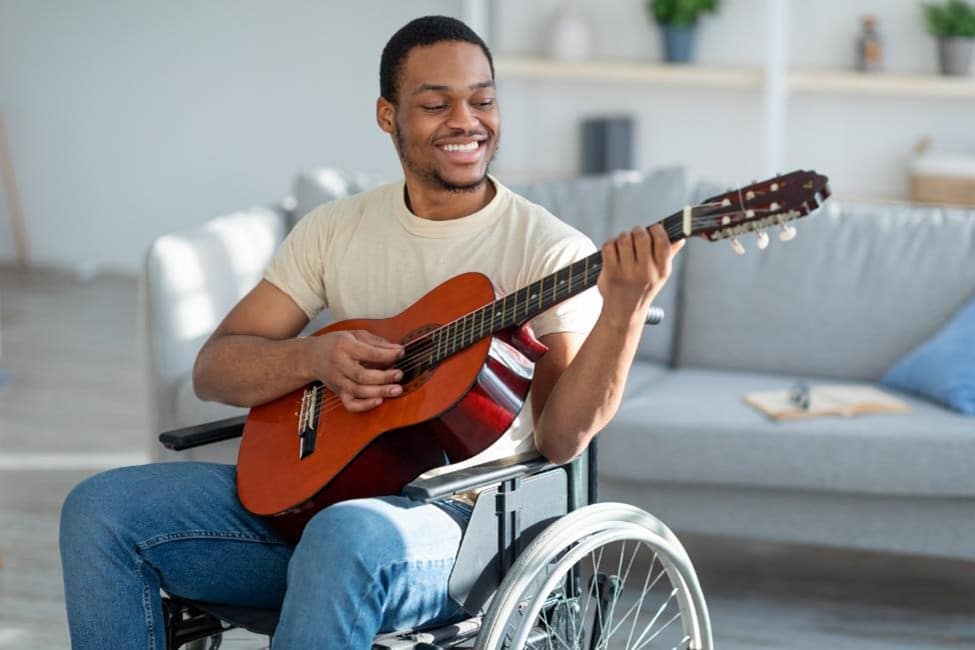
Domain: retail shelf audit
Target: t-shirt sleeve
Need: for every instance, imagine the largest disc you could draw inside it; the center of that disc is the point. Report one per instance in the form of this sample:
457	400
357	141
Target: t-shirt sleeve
579	313
298	266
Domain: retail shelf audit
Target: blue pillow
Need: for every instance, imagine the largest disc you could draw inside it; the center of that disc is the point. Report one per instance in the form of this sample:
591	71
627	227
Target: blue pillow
943	367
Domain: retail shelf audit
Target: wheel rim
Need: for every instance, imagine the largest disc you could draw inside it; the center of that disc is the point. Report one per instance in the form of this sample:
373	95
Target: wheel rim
607	567
610	611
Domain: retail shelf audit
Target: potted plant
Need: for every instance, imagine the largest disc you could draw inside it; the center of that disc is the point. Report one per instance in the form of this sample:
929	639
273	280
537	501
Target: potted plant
678	21
953	24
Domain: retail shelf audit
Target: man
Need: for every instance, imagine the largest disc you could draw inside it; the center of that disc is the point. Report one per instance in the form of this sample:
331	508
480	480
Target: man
381	564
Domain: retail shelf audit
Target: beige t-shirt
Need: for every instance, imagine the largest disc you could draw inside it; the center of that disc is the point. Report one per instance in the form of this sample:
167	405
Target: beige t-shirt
368	256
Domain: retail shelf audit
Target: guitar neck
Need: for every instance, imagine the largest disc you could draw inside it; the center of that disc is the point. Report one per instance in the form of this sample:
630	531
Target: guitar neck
524	304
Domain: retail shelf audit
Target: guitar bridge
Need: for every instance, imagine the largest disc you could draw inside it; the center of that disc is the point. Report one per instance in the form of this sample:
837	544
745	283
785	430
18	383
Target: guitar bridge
309	417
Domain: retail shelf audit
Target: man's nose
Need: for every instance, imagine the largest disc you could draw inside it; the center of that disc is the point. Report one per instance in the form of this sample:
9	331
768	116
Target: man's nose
462	117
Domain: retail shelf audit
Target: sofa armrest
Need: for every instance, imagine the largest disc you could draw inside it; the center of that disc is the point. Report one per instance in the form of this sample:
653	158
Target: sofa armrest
203	434
189	280
476	476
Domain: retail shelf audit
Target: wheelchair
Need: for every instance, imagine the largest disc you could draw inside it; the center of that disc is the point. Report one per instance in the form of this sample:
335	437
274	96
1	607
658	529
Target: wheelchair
541	564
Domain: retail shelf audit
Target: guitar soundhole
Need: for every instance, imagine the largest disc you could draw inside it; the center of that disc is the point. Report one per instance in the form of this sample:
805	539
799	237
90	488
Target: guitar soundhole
414	376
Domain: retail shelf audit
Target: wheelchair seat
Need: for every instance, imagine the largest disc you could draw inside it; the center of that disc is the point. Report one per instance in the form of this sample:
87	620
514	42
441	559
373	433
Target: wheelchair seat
191	620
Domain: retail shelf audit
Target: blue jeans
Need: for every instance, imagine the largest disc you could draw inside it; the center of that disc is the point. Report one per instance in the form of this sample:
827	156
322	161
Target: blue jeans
361	567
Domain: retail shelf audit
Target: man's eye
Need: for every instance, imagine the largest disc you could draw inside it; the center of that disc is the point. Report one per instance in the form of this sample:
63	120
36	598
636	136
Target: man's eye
434	107
486	103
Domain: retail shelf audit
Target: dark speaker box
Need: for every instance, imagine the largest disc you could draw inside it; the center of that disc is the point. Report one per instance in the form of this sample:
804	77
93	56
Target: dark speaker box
607	144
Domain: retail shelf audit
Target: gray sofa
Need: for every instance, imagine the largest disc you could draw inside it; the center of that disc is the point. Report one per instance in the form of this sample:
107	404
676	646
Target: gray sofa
859	287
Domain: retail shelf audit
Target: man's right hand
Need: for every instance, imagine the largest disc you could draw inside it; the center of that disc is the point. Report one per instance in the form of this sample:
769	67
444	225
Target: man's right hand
357	366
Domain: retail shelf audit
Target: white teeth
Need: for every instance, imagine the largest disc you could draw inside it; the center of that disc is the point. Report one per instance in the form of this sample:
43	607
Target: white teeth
471	146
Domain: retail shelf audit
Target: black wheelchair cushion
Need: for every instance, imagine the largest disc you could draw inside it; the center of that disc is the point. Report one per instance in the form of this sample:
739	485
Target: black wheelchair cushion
253	619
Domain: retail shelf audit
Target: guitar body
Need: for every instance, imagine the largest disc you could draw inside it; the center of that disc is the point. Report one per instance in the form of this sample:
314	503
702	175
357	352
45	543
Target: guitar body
460	407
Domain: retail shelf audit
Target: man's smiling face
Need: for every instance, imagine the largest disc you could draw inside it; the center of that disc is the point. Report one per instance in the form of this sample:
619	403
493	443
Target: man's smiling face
446	118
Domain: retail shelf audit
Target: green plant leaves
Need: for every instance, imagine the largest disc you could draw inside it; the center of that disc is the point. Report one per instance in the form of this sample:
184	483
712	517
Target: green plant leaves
679	12
954	19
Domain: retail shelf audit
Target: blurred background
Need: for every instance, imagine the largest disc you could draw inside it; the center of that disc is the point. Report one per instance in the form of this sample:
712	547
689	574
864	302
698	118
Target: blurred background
124	121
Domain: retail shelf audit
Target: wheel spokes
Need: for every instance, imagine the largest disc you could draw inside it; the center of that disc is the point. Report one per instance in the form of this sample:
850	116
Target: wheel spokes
568	621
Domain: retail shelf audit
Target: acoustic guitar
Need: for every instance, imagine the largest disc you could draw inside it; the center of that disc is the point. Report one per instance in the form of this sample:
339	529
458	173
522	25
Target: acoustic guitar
467	369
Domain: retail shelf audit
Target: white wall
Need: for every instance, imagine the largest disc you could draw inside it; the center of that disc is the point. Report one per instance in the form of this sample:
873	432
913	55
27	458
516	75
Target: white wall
863	143
129	119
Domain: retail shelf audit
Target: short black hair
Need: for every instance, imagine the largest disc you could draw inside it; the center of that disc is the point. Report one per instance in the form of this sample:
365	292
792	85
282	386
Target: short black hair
427	30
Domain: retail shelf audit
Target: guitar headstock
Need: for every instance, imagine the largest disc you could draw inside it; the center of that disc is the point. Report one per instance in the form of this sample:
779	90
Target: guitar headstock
754	208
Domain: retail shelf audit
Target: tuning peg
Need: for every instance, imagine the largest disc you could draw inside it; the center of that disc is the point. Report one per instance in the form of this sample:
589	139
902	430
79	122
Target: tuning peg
762	240
787	233
737	246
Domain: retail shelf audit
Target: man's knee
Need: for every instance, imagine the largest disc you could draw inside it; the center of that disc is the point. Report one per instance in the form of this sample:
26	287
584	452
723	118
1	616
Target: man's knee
361	531
84	504
96	506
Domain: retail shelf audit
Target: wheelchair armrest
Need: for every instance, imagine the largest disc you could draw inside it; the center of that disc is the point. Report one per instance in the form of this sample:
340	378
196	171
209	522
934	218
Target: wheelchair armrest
476	476
203	434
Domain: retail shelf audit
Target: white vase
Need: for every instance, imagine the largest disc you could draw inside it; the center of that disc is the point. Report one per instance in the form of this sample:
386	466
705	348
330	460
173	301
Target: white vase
570	38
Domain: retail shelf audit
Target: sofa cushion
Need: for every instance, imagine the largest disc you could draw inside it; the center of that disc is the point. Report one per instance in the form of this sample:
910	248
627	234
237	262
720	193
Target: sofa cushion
943	367
314	187
583	203
643	375
690	426
860	286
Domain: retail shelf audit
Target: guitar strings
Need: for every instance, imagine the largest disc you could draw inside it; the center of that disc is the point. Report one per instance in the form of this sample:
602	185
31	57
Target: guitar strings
416	358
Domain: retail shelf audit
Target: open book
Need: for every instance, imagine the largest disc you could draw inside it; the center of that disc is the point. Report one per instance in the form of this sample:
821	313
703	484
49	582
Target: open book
827	399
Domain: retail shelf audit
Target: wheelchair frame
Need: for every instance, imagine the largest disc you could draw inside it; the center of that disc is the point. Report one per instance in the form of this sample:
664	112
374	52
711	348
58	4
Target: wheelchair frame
503	524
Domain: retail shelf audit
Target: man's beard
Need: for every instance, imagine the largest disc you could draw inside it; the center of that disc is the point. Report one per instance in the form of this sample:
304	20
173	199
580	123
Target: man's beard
433	177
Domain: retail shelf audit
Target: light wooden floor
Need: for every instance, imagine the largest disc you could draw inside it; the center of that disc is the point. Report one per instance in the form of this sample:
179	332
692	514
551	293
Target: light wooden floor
74	404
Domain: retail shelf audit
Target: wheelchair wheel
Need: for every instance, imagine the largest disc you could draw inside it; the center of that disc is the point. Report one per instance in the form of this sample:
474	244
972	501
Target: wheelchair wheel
606	576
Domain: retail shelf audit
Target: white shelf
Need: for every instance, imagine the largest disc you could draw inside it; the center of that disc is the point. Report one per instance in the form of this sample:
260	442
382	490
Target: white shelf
811	81
630	72
904	85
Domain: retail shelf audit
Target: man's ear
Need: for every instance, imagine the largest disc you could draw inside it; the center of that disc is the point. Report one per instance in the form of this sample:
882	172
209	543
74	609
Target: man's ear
386	115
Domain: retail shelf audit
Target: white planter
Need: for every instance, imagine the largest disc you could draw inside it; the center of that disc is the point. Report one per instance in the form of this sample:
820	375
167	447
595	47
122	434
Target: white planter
955	56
